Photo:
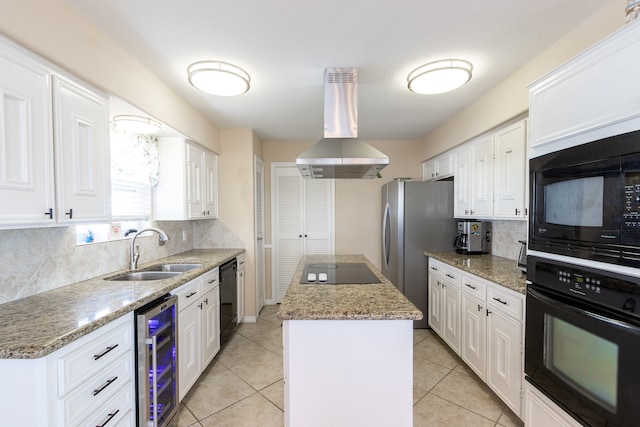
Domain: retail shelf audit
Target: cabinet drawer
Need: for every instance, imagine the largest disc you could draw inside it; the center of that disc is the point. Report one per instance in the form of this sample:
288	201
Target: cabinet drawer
95	391
452	274
209	280
119	410
188	293
436	267
505	301
472	285
75	367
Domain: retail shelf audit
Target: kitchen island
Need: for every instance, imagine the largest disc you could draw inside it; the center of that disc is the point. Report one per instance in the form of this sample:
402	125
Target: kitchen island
348	351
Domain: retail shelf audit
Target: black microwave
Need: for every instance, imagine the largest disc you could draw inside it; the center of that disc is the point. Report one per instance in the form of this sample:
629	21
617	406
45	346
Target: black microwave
585	201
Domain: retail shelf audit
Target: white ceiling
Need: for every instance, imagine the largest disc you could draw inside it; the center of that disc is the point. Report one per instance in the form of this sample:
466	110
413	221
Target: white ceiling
285	45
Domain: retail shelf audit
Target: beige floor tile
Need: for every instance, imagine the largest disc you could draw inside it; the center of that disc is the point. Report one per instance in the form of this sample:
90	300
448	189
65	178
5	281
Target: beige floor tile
254	411
436	351
271	340
185	417
418	393
509	419
275	394
420	334
433	411
238	350
426	374
467	391
252	329
215	392
261	370
269	309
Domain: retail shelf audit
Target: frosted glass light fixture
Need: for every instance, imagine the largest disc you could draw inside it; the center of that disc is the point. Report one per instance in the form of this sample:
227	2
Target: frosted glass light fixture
218	78
137	124
439	76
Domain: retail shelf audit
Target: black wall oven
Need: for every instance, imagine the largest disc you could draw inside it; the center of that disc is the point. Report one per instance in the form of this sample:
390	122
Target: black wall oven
585	201
583	341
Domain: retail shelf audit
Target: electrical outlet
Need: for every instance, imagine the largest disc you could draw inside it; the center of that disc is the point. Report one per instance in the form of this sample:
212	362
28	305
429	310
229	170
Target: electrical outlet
184	235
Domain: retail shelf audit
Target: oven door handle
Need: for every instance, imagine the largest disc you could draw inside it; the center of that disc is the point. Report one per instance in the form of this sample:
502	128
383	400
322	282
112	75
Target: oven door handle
594	314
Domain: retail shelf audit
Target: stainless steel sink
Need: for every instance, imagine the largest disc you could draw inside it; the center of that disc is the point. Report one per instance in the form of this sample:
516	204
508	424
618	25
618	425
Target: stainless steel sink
145	275
173	267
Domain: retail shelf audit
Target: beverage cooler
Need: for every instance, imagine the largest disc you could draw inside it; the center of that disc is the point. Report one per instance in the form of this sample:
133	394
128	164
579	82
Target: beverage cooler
157	363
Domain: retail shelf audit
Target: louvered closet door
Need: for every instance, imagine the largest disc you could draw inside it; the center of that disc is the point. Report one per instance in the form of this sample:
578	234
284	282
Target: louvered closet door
288	220
304	222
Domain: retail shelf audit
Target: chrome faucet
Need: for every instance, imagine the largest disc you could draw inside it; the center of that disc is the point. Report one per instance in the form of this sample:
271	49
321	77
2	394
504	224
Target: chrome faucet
163	237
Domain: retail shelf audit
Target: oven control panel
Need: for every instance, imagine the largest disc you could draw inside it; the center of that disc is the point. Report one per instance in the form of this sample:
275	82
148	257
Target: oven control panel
606	289
631	200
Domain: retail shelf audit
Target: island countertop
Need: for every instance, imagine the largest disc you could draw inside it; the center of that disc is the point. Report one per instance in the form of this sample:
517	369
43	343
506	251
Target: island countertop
371	301
35	326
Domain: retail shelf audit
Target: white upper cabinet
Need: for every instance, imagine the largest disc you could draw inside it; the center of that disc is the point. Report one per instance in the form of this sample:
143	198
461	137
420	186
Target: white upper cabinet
26	141
592	96
43	112
490	175
81	133
510	164
440	167
188	181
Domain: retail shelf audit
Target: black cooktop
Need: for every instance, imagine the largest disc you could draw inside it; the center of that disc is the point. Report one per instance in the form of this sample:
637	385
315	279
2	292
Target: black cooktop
337	273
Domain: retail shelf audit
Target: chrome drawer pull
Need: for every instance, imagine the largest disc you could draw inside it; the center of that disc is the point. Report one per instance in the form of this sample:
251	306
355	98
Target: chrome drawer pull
109	417
105	385
191	294
211	281
500	301
450	276
98	356
472	287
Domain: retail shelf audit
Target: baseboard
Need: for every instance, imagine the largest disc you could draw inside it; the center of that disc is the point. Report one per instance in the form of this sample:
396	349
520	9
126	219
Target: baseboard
249	319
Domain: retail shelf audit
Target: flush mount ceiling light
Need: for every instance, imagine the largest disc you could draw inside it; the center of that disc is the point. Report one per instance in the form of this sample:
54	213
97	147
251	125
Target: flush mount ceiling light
440	76
218	78
137	124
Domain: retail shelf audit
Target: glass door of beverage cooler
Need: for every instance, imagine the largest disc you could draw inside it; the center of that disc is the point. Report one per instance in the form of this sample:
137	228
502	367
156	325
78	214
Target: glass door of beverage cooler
157	363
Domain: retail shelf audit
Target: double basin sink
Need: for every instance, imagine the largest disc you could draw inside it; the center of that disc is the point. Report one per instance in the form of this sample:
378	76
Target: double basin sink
155	272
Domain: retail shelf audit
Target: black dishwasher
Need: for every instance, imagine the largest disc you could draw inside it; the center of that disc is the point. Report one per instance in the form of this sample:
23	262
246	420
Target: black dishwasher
228	299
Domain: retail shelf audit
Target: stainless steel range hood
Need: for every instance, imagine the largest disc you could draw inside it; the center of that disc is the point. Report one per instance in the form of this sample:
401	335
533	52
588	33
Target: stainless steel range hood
341	154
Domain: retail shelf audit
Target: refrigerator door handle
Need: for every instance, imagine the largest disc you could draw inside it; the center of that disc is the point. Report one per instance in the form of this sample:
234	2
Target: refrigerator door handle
386	242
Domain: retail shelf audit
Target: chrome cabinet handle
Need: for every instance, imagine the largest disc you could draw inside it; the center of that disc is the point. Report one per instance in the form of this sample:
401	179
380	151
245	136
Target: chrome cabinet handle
500	301
450	276
70	213
191	294
469	286
479	307
212	281
107	350
517	211
50	213
109	417
103	386
206	301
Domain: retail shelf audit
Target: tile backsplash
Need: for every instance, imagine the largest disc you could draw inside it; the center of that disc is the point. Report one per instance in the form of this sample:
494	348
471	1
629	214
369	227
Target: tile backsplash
506	235
36	260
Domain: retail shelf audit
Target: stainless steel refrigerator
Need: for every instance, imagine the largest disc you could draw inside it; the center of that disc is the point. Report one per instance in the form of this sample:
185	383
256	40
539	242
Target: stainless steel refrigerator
417	217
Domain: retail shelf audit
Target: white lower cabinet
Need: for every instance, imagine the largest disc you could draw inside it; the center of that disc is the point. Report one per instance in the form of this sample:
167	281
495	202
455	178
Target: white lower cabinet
198	327
539	411
488	334
88	382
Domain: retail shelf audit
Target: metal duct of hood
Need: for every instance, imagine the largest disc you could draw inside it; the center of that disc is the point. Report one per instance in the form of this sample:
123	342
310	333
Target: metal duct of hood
341	154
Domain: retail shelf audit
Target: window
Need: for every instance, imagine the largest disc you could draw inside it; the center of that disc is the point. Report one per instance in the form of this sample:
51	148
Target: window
134	170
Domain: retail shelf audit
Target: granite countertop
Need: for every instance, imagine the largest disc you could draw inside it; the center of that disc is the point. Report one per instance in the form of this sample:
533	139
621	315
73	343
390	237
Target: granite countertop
502	271
380	301
35	326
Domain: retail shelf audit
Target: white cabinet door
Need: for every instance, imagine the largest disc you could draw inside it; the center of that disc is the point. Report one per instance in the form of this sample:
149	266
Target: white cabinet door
210	172
195	182
504	358
451	318
462	183
189	338
474	334
81	135
210	312
304	219
482	177
510	147
435	302
26	142
429	170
